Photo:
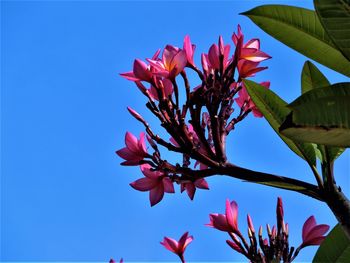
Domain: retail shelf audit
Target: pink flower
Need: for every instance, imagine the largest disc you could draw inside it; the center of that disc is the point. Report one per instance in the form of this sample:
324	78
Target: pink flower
251	50
214	54
189	50
135	150
172	63
245	101
312	233
155	182
177	247
141	72
190	187
226	222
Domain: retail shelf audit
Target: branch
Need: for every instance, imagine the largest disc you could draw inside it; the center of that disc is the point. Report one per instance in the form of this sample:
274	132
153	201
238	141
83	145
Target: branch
254	177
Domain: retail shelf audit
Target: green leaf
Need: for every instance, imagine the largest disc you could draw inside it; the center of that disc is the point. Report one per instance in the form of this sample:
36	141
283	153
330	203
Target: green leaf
335	248
321	116
312	78
301	30
335	18
275	111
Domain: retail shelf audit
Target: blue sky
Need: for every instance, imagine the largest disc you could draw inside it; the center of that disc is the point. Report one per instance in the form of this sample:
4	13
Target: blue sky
64	196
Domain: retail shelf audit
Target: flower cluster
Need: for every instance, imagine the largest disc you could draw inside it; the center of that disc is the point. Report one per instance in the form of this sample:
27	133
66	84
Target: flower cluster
199	127
276	247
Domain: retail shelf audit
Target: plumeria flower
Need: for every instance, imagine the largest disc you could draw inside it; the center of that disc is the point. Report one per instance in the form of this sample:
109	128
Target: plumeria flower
141	71
313	234
135	150
250	50
156	182
245	101
177	247
172	63
226	222
190	187
214	54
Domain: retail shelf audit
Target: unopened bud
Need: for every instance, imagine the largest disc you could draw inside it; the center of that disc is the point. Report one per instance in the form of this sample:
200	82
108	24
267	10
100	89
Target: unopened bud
287	229
260	231
221	46
135	114
250	223
250	233
268	229
280	213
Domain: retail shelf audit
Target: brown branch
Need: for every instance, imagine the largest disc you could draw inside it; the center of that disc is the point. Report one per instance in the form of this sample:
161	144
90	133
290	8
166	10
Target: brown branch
254	177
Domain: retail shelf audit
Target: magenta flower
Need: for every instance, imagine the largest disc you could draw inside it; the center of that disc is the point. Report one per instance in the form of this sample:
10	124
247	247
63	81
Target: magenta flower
172	63
249	51
226	222
245	101
214	54
190	187
312	233
135	150
155	182
178	247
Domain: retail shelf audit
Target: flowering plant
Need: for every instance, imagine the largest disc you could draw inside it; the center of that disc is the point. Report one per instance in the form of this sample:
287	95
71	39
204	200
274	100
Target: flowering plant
199	119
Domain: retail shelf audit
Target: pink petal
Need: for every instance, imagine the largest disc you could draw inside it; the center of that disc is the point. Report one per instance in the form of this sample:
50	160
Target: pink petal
190	189
317	231
254	55
188	48
253	43
146	170
144	184
126	154
308	225
155	56
129	76
170	244
131	142
179	61
141	70
131	162
314	242
201	183
219	222
168	185
213	56
184	241
156	194
142	144
231	214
